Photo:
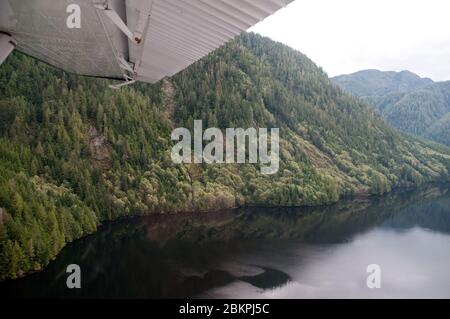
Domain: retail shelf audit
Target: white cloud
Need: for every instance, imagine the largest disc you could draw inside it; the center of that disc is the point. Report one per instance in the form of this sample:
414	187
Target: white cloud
344	36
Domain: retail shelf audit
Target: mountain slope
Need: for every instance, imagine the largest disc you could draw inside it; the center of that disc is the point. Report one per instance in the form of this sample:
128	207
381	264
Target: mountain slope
377	83
409	103
74	153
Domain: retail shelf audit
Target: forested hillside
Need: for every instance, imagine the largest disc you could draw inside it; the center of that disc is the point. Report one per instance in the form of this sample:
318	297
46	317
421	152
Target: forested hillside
369	83
74	153
406	101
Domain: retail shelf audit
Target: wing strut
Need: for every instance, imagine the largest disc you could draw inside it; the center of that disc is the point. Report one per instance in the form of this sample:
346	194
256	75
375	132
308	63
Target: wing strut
129	80
135	37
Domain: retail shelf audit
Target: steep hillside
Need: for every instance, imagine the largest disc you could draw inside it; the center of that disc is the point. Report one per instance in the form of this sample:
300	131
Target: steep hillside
74	153
410	103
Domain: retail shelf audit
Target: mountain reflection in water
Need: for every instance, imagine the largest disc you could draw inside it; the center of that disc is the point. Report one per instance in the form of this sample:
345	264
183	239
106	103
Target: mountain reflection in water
320	252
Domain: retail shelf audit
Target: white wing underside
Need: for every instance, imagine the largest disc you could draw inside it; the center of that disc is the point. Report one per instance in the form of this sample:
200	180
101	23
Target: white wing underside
143	40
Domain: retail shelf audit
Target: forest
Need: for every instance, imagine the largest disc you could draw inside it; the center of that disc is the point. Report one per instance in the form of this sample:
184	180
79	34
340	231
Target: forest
406	101
75	154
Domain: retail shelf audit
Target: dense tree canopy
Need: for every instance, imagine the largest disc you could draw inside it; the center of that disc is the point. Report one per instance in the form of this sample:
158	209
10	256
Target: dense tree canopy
74	153
409	103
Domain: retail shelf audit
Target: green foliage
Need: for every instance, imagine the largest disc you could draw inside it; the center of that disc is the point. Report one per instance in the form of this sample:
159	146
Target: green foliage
74	153
368	83
407	102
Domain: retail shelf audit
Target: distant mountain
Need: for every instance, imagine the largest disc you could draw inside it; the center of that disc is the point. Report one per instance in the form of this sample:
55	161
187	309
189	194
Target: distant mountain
408	102
378	83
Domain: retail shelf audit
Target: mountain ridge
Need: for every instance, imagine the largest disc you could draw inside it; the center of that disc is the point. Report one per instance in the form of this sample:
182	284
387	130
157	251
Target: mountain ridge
374	82
74	154
415	105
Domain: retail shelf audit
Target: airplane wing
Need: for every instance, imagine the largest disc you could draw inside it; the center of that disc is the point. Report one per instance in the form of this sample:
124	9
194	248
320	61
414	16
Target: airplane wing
131	40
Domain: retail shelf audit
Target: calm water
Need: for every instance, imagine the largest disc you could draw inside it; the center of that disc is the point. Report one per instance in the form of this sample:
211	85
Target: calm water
264	253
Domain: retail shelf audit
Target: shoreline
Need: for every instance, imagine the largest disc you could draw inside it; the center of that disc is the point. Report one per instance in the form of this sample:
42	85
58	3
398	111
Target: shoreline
398	190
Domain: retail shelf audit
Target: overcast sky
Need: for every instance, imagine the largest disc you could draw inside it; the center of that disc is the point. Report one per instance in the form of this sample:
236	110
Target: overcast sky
344	36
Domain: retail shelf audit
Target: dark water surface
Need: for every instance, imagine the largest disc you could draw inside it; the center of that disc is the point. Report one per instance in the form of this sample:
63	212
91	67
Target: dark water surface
264	253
